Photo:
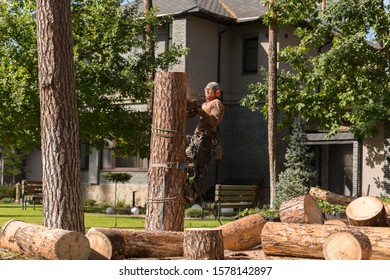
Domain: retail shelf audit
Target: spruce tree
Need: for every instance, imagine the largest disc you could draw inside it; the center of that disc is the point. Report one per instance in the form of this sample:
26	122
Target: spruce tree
299	174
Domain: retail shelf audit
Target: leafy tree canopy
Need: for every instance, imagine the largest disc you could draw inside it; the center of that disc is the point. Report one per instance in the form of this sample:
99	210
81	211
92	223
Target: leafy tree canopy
339	72
110	70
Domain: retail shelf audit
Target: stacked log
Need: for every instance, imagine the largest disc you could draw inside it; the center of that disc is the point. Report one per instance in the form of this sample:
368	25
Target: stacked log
44	243
367	211
330	197
301	209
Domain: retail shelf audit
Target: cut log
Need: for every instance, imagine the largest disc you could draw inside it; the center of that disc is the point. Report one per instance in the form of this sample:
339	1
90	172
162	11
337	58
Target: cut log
118	244
203	244
347	245
43	242
306	240
243	234
330	197
301	209
335	222
367	211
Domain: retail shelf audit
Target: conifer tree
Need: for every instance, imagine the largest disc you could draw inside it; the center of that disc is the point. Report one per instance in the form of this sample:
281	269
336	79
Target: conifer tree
299	175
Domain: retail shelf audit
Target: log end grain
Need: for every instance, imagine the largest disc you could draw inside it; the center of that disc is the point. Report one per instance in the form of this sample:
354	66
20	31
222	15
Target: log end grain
366	211
347	245
102	247
73	246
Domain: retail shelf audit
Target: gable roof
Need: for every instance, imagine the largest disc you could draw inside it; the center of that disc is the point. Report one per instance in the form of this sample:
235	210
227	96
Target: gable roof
228	10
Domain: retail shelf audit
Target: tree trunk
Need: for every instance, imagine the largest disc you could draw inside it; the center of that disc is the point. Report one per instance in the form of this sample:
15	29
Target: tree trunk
203	244
367	211
117	244
149	51
243	234
347	245
272	105
330	197
335	222
62	202
301	209
44	243
165	209
306	240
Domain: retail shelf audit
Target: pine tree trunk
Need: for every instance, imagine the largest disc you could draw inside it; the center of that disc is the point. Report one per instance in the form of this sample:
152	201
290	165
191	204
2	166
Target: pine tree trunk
272	106
330	197
62	202
165	209
203	244
44	243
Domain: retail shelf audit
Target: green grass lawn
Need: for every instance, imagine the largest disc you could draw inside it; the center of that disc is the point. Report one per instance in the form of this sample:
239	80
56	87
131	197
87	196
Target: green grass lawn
15	212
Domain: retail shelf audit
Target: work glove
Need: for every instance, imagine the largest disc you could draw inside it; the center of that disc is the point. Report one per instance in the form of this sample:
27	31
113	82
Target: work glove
193	108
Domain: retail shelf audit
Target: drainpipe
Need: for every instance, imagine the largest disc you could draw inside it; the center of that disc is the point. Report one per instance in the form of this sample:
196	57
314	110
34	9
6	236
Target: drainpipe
218	81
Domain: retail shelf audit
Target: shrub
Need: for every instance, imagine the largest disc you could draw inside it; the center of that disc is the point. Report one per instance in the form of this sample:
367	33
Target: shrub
103	204
8	191
7	200
265	213
120	203
89	202
195	213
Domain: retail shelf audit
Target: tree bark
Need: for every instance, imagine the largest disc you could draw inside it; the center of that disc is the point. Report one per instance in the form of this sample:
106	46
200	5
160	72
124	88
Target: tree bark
44	243
243	234
117	244
347	245
62	202
367	211
203	244
272	105
330	197
336	222
306	240
165	209
301	209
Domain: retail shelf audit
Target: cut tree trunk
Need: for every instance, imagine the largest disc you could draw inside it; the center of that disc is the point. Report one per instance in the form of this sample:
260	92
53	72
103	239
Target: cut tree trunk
347	245
203	244
367	211
301	209
165	209
118	244
43	242
306	240
330	197
243	234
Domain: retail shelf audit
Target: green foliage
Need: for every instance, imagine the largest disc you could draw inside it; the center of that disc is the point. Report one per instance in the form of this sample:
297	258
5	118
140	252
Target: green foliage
110	68
89	202
265	213
6	200
299	175
120	204
117	177
13	159
339	70
8	191
327	207
195	213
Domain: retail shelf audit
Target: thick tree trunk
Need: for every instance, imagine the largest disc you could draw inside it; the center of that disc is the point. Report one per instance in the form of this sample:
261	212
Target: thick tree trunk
62	202
243	234
165	209
272	105
203	244
367	211
44	243
301	209
117	244
330	197
347	245
306	240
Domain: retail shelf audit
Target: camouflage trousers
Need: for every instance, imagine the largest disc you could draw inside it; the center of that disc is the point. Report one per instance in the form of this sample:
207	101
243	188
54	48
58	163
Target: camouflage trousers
200	147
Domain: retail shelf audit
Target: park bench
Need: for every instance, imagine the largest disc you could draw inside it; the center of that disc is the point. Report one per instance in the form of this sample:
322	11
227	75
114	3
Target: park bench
31	192
237	197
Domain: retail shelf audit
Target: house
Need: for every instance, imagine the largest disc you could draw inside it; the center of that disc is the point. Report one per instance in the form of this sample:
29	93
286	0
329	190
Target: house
228	43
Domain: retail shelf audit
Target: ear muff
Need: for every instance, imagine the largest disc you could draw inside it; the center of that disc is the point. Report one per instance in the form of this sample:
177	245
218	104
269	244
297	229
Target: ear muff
218	93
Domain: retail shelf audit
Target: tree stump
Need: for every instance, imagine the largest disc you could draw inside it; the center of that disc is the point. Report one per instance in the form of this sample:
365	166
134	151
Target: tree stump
244	233
347	245
301	209
306	240
43	242
203	244
367	211
165	209
330	197
117	244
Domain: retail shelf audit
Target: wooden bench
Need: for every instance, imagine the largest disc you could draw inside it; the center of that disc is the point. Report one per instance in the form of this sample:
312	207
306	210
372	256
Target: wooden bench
31	191
237	197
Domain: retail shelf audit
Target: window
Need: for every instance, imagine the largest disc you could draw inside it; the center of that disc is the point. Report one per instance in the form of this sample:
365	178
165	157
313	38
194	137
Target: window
84	157
131	161
170	36
250	55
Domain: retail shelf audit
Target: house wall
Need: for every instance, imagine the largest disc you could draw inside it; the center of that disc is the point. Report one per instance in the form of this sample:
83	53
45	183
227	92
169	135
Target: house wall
373	164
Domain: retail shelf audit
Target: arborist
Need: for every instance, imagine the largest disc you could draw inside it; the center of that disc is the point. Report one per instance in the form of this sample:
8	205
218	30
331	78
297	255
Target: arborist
204	141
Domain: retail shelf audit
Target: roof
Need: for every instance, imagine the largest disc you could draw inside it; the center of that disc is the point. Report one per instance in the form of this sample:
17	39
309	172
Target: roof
230	10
